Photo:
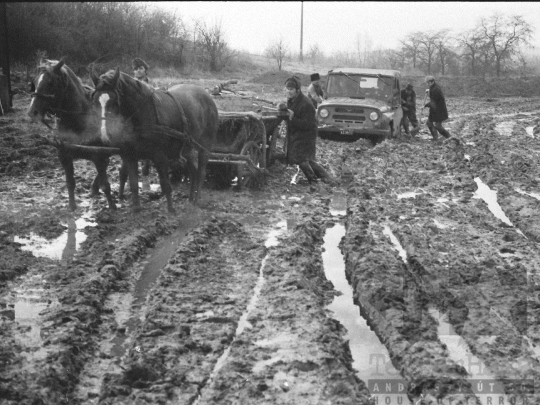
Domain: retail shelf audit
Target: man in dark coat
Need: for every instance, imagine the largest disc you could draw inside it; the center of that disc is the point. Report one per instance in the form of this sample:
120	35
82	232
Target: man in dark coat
315	91
408	103
302	132
437	109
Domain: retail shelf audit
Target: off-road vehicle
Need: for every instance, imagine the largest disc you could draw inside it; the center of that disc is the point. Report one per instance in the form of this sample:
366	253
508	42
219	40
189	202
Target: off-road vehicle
361	103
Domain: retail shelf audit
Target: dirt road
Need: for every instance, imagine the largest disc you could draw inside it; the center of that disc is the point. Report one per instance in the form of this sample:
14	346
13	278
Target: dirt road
243	300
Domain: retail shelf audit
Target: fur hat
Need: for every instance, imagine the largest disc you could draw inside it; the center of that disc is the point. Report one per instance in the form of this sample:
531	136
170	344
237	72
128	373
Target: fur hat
409	86
315	76
293	82
138	62
428	78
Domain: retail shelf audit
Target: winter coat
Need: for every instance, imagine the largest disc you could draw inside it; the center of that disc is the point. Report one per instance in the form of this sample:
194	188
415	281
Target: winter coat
315	93
302	129
408	98
437	104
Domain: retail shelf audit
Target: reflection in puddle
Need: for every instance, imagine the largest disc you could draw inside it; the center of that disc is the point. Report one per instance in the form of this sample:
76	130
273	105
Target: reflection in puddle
370	357
61	248
530	131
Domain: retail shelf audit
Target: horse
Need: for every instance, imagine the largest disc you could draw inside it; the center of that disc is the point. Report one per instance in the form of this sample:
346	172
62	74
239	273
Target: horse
58	91
146	123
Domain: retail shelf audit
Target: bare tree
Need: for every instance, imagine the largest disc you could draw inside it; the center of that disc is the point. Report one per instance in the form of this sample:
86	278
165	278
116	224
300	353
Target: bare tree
505	35
215	51
412	45
278	51
443	45
428	47
314	54
472	42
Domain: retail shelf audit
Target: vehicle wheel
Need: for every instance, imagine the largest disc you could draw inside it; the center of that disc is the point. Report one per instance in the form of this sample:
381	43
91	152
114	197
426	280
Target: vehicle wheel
251	175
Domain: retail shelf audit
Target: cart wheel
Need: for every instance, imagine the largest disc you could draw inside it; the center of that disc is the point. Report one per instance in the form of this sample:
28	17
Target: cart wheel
278	144
251	175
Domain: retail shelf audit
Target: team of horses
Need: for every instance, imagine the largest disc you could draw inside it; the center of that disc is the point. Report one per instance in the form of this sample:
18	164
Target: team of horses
124	116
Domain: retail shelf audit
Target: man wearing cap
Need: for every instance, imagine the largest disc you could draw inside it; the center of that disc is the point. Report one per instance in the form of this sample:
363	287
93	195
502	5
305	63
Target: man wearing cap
140	69
315	91
437	109
408	103
302	132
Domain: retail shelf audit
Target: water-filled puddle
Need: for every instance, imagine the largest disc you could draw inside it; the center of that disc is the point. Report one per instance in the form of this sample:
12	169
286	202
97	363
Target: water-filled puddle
534	195
490	198
64	246
530	131
24	306
370	357
402	253
505	127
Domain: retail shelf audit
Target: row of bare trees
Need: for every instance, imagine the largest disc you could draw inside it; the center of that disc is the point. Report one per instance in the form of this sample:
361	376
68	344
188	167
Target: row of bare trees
114	32
496	45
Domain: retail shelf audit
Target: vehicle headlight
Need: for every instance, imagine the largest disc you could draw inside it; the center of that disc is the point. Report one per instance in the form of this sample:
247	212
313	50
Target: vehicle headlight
373	116
324	113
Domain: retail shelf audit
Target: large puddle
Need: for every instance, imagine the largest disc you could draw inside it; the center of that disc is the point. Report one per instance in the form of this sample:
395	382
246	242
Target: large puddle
370	357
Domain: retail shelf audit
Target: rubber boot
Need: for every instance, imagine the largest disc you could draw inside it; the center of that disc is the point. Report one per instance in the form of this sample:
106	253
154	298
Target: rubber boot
321	173
434	133
444	132
308	171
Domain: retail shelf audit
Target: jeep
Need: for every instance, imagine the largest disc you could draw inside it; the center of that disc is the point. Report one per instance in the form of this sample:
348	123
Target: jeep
361	103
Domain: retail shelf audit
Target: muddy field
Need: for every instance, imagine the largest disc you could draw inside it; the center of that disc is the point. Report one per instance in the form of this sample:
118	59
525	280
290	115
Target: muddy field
415	278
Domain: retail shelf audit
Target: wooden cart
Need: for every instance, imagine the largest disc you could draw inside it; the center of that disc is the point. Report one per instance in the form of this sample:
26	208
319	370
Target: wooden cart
246	143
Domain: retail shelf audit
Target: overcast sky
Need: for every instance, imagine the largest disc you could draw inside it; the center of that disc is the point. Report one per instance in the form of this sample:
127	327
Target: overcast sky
335	26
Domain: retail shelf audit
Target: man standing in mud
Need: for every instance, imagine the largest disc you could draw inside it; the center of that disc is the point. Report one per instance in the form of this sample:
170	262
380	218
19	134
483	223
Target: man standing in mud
408	103
315	91
437	109
302	136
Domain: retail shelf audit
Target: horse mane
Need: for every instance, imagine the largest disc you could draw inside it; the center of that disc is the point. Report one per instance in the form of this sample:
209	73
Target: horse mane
126	82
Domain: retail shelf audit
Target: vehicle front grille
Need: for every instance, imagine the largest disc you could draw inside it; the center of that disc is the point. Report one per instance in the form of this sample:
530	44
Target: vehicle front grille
350	110
348	118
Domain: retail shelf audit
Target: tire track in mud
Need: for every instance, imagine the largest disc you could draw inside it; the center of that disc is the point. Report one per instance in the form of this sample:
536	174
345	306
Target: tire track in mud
69	328
439	219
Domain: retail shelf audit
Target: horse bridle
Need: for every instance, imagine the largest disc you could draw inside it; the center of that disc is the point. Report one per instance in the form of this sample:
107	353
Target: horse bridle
54	110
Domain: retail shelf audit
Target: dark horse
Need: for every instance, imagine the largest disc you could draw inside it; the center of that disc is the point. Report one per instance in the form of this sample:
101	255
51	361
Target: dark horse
152	124
58	91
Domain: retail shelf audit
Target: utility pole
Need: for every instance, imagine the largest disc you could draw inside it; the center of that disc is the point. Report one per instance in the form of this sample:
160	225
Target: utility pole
301	32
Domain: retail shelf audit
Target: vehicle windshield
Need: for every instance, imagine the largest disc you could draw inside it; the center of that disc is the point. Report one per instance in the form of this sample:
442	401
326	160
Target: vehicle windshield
359	86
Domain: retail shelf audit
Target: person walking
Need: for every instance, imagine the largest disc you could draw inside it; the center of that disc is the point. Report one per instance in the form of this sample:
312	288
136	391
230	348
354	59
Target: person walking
315	91
408	103
140	69
302	133
437	110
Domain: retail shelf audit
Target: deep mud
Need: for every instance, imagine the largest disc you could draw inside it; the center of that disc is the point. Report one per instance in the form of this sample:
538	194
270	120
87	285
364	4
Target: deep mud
229	302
